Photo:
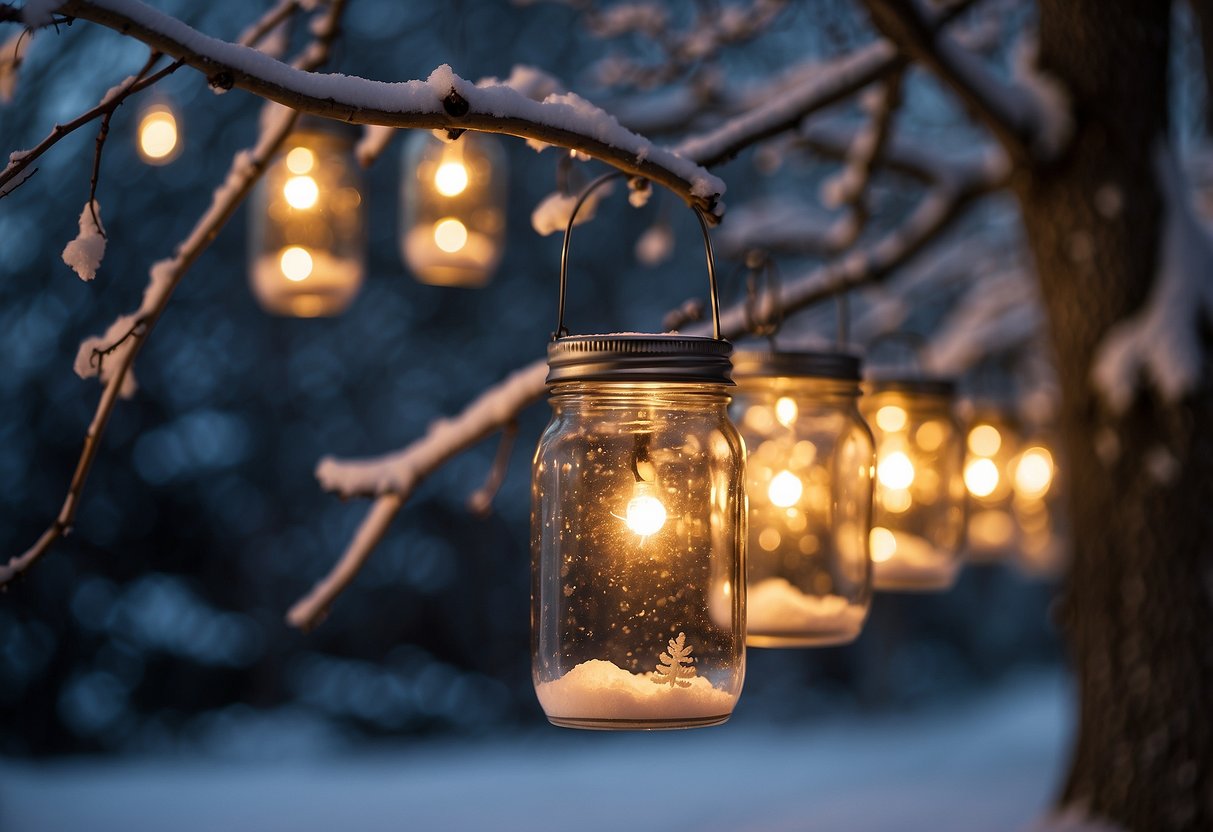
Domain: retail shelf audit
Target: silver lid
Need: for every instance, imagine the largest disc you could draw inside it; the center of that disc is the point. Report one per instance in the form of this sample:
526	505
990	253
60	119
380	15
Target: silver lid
944	387
829	365
633	357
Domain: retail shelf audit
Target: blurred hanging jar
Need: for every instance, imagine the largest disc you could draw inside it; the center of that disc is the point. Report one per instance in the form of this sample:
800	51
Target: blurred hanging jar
918	525
307	231
637	525
1037	506
809	486
158	138
453	203
991	450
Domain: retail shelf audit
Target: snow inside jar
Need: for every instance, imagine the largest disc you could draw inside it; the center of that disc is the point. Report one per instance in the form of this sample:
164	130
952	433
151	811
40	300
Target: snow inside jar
637	525
809	487
306	234
453	207
918	524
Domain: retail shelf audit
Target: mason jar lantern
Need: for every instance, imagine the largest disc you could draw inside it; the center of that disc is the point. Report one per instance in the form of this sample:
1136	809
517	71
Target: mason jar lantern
638	582
918	524
453	207
809	484
307	237
992	445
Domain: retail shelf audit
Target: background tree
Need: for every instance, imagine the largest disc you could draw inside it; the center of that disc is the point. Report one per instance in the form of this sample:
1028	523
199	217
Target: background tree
1078	133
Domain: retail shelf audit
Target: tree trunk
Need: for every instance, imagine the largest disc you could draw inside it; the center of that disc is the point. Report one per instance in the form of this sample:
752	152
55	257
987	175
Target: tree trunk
1137	609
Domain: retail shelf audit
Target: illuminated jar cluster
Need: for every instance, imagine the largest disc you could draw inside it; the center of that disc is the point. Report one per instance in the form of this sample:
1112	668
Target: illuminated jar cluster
809	485
918	525
638	526
307	226
453	200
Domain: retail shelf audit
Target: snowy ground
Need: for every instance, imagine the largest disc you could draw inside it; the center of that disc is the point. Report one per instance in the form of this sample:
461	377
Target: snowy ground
982	766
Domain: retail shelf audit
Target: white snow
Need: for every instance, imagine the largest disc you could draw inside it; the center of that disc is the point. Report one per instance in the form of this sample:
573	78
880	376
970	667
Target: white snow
374	140
774	606
600	689
988	762
1161	342
1055	119
915	562
655	245
84	253
552	214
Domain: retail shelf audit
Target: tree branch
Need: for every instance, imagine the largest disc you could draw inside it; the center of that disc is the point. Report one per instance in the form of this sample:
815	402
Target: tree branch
394	477
1011	112
445	101
132	331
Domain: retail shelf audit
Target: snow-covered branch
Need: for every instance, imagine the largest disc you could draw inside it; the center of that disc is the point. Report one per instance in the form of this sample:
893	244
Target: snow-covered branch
443	101
1163	342
112	355
1030	118
395	476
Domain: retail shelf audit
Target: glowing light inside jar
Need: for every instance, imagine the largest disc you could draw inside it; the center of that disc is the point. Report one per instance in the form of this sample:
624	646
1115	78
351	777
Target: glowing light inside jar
645	514
450	235
1034	473
300	160
883	543
891	418
785	489
158	135
301	192
981	477
296	263
985	440
786	411
451	178
895	471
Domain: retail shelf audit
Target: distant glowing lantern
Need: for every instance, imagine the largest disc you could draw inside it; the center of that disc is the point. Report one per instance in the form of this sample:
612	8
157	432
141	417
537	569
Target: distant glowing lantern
453	202
1037	509
307	234
158	136
992	444
638	525
809	487
919	509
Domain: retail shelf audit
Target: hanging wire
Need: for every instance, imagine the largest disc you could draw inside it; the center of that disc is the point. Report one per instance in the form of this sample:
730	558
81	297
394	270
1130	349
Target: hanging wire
561	330
762	280
843	305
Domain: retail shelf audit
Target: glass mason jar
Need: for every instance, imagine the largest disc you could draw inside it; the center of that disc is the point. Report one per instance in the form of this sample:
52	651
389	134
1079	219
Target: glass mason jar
809	486
918	525
1038	508
992	445
307	236
638	534
453	207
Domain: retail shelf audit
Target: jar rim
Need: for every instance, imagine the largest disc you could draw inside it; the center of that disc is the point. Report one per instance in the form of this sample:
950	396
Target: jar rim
638	357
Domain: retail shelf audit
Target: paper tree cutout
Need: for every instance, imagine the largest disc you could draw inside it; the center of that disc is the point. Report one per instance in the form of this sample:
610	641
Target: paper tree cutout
676	666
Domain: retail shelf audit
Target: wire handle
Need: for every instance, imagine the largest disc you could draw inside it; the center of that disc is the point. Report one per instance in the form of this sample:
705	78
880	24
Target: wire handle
761	280
561	329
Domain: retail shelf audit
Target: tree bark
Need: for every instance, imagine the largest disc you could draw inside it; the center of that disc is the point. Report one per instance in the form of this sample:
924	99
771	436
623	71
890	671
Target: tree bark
1137	607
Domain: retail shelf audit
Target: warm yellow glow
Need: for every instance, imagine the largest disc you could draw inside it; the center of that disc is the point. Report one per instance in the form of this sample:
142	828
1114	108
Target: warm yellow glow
896	500
158	135
450	235
895	471
300	160
981	477
786	411
451	178
785	489
985	440
883	543
301	192
769	540
645	514
890	418
1034	473
296	263
929	436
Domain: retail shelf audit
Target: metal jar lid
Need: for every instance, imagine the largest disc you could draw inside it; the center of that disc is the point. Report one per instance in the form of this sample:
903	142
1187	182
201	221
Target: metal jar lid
750	364
634	357
943	387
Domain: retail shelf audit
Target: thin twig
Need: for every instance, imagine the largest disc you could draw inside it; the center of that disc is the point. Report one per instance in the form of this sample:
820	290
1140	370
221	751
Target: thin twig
481	500
246	169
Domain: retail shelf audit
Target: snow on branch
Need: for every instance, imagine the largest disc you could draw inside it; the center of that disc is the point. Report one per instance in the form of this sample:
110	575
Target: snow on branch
84	253
395	476
444	100
1030	116
998	314
1162	342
